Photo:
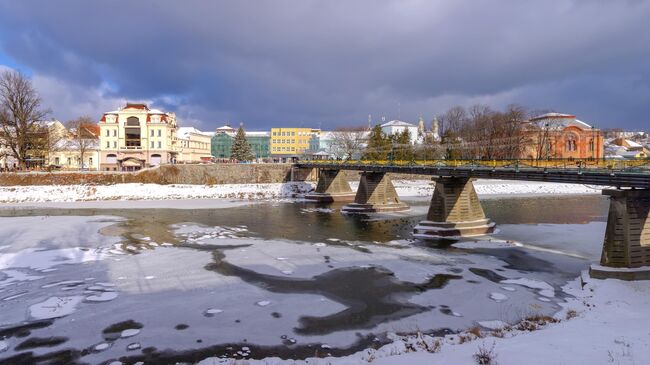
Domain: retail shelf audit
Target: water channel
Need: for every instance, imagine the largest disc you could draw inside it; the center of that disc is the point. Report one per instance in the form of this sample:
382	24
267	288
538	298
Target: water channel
287	278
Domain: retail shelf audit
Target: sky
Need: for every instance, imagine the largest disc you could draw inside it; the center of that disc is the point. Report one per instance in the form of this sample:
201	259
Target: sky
327	64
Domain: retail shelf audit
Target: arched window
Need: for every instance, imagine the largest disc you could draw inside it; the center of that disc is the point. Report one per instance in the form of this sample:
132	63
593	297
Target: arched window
591	145
132	132
111	158
132	122
571	143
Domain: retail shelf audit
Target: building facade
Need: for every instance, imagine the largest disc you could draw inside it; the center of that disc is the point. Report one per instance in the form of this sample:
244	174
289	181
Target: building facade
223	138
555	135
397	126
291	142
195	146
135	137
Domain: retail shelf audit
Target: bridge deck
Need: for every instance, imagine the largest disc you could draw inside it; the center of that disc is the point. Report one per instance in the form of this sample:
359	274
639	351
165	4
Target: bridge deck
639	179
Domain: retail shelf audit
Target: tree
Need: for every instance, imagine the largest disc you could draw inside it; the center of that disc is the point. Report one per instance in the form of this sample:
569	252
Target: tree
20	114
83	137
378	146
402	148
241	149
347	141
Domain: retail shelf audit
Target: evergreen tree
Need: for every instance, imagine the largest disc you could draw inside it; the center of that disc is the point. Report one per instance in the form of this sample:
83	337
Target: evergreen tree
241	149
379	145
403	151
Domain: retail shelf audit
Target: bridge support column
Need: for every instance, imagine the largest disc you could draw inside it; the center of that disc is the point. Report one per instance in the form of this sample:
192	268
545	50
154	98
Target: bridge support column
455	211
332	186
376	193
626	250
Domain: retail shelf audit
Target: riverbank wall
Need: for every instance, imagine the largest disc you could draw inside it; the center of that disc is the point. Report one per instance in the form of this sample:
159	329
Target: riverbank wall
200	174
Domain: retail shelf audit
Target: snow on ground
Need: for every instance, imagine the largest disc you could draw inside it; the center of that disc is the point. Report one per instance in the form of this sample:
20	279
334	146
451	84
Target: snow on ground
601	324
405	188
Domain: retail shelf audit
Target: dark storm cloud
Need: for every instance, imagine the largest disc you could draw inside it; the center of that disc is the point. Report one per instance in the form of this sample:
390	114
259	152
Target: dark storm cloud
305	62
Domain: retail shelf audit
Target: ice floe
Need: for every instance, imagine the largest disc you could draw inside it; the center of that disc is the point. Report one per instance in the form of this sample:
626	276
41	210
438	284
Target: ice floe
55	307
543	288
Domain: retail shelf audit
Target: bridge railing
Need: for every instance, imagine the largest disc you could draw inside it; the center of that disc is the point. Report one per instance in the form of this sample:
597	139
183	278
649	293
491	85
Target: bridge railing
631	165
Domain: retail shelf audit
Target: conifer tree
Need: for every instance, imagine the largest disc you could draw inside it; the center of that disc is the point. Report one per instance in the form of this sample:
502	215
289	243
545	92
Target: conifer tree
403	151
379	145
241	149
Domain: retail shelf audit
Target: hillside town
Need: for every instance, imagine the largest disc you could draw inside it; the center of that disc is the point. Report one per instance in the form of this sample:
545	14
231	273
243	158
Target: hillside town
136	136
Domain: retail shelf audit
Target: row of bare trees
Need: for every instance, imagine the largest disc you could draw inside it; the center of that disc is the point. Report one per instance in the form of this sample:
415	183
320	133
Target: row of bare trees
477	132
25	136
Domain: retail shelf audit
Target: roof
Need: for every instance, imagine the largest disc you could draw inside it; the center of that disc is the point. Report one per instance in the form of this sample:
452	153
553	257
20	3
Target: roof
184	132
398	123
136	106
225	128
553	116
566	120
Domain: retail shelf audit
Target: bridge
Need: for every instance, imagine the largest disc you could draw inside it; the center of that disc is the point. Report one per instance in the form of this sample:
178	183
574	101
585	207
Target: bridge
455	210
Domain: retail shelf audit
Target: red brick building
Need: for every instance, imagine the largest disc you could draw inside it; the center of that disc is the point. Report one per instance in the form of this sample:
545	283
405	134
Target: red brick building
555	135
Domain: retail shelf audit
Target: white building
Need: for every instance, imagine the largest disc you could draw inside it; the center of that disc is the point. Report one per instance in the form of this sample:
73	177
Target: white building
397	126
194	145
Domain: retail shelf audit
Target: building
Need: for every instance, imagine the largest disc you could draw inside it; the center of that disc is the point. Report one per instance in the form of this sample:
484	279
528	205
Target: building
67	156
42	138
224	136
332	145
78	149
555	135
397	126
135	137
291	142
195	146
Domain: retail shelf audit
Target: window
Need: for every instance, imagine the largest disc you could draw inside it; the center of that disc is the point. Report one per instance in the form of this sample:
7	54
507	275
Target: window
114	132
114	144
69	161
56	161
293	148
159	144
571	144
591	145
152	133
108	144
90	160
293	134
160	133
293	141
151	144
108	133
274	133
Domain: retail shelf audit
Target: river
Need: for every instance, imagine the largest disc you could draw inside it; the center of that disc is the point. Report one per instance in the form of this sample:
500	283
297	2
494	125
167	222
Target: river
285	278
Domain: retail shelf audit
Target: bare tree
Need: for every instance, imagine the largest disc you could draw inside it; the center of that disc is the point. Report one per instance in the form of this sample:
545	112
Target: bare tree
83	136
20	112
348	141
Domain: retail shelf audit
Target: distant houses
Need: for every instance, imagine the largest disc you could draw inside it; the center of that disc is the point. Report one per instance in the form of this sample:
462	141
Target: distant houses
135	137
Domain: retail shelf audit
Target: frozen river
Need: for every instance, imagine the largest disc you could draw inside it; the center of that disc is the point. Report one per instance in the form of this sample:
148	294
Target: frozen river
161	285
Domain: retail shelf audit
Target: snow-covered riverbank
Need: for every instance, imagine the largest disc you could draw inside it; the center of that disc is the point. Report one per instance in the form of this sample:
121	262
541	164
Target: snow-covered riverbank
405	188
602	324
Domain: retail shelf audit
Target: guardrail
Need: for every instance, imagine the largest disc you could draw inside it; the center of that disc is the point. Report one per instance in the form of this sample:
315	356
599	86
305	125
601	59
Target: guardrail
632	165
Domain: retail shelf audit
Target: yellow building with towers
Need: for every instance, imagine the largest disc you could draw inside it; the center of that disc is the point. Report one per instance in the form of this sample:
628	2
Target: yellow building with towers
286	142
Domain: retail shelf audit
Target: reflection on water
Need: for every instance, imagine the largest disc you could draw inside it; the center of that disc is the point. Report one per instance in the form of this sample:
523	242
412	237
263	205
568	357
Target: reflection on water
356	298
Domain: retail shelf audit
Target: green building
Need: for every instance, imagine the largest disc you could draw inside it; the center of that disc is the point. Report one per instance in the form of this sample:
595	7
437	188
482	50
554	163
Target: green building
224	136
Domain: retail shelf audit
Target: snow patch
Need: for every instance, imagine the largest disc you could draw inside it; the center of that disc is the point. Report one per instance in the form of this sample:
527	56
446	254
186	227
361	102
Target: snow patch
55	307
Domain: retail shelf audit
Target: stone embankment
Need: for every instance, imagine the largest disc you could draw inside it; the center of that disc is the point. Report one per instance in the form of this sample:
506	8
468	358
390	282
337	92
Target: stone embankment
203	174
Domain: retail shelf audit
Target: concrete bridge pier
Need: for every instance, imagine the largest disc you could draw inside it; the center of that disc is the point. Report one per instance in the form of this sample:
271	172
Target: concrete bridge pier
332	186
626	250
455	211
376	193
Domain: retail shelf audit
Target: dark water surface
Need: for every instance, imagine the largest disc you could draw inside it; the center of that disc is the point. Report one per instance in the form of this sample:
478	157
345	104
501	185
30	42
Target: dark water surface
281	279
